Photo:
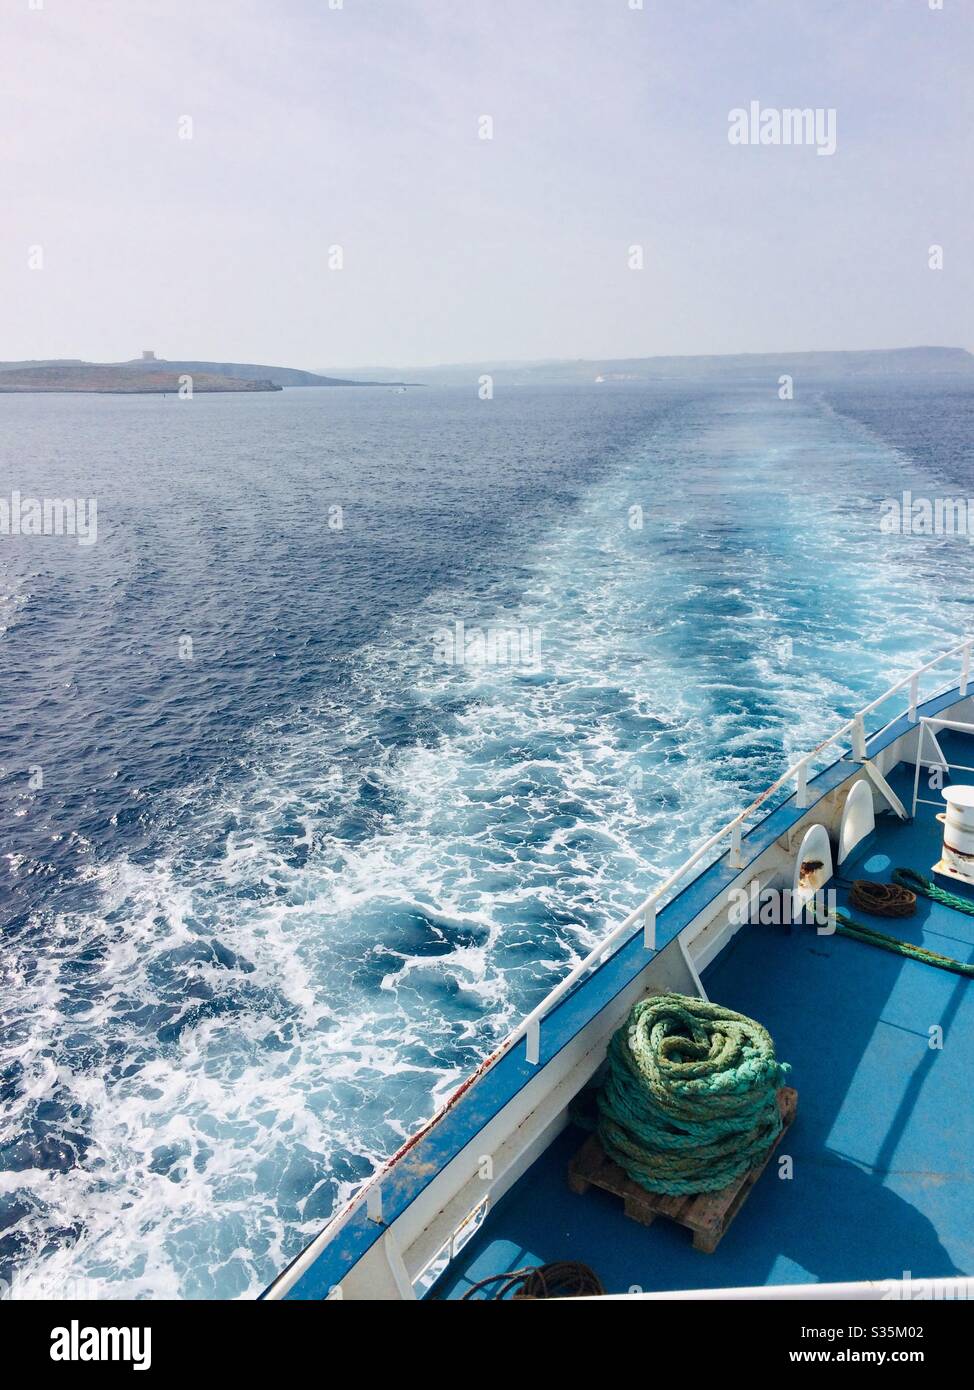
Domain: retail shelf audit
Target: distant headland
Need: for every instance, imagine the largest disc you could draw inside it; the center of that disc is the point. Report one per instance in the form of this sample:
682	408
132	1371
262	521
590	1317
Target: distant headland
151	375
733	368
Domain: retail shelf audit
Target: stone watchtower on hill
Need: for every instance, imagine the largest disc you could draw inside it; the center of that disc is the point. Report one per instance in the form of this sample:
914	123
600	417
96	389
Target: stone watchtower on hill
148	356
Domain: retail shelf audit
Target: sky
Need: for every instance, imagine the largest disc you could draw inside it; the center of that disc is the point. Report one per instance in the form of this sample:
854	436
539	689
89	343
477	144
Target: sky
358	124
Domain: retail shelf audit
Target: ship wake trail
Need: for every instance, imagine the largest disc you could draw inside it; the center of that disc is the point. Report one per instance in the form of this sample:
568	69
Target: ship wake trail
203	1063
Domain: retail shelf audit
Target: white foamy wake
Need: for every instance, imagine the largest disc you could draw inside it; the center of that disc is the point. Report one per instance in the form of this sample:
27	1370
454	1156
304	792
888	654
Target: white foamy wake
340	929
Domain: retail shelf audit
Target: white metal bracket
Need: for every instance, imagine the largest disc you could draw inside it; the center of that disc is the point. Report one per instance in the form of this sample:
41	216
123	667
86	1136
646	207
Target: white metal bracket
685	949
936	748
397	1268
884	789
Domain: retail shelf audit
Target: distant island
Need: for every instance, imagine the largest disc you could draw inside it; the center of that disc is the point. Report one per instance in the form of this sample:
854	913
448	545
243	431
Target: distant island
150	375
736	368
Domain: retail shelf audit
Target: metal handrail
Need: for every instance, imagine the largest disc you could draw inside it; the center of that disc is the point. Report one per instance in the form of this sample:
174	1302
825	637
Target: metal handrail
933	726
530	1026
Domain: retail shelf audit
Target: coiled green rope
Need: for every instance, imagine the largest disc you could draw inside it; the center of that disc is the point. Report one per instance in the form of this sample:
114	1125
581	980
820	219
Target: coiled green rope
690	1098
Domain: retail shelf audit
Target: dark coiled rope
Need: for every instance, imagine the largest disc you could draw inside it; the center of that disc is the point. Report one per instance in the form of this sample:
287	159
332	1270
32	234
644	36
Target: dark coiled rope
560	1279
883	899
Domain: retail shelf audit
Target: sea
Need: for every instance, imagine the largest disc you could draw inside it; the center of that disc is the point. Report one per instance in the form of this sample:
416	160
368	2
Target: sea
363	718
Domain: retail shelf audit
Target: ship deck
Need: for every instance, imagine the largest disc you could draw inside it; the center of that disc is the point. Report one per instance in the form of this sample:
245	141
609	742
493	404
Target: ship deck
883	1145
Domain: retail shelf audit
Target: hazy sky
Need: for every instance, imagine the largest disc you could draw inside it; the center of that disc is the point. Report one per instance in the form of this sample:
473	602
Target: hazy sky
358	126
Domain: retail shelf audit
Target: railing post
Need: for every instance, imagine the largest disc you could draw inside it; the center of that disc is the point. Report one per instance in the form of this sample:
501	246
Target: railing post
734	857
801	789
649	926
373	1203
914	696
532	1040
916	770
965	670
859	739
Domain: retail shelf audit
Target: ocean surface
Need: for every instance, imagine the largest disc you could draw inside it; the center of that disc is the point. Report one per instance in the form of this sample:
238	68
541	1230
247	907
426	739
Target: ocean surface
274	874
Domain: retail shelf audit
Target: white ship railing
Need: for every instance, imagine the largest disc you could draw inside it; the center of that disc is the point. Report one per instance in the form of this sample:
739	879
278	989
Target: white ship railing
530	1027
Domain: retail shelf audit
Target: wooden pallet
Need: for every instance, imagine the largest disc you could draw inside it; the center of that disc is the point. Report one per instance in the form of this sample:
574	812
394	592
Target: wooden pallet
706	1214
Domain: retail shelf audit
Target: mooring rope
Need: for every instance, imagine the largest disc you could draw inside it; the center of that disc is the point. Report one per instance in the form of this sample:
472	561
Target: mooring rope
690	1097
916	883
858	931
909	883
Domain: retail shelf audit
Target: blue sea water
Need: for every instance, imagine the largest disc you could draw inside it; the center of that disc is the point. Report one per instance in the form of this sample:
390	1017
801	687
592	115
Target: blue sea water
274	899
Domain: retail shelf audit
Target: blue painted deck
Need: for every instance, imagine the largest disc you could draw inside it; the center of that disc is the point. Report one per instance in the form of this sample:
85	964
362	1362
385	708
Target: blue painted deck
883	1145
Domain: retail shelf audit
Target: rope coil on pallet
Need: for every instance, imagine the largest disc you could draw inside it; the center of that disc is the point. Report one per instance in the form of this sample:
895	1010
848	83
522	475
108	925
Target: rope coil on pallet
689	1100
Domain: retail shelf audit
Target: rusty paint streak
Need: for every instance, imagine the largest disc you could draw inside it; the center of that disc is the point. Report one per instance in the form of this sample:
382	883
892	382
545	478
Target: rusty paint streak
447	1105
